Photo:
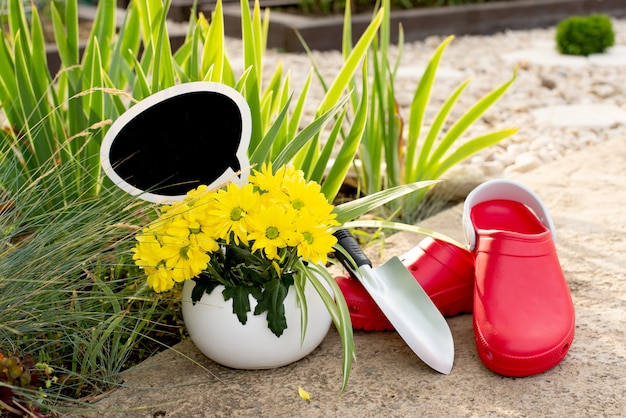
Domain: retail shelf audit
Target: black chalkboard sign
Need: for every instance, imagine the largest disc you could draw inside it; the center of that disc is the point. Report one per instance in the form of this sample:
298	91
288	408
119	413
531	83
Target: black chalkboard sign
177	139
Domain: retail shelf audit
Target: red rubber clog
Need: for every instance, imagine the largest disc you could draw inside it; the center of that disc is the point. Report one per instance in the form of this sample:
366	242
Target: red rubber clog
364	313
523	311
445	272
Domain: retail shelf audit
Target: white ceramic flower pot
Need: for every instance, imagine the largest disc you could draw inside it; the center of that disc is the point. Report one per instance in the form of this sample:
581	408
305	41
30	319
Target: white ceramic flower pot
219	335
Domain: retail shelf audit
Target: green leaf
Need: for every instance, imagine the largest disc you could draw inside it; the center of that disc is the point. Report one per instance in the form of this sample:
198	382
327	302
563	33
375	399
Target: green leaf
38	52
342	81
241	300
262	151
141	88
399	226
305	136
339	312
416	170
126	48
420	104
323	158
298	284
470	148
215	43
103	28
202	286
355	208
66	38
163	72
347	152
92	79
34	110
253	61
470	117
346	39
296	114
272	301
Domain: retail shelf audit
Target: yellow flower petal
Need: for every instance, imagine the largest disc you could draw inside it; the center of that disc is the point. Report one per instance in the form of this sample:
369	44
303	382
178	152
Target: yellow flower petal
304	394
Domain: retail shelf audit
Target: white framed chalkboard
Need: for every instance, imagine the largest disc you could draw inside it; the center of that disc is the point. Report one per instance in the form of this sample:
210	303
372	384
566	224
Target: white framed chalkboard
177	139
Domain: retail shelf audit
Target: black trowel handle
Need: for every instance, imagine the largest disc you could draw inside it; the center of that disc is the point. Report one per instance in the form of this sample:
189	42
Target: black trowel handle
349	243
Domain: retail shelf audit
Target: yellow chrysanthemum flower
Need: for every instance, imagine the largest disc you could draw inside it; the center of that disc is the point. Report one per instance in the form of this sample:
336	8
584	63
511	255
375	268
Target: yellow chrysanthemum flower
293	178
266	179
199	193
231	213
181	250
201	201
159	279
204	241
273	229
308	196
278	214
147	252
315	242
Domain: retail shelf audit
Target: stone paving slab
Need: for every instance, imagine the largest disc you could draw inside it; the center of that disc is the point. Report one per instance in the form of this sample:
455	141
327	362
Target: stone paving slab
598	116
585	193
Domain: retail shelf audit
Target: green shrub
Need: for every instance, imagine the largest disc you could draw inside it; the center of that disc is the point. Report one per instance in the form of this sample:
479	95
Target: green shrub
579	35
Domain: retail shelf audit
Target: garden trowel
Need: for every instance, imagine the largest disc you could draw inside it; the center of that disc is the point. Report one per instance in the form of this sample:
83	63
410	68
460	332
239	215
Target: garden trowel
405	304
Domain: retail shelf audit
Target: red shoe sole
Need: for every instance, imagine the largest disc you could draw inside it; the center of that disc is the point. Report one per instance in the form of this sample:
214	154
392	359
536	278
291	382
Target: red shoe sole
525	365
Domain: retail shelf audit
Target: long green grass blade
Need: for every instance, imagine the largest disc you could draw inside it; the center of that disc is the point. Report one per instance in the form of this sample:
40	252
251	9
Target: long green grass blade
214	49
348	150
301	140
252	87
296	114
342	81
469	148
258	29
261	153
346	40
298	284
120	70
33	110
284	97
355	208
8	82
68	48
141	87
420	104
324	157
72	32
415	169
38	52
103	29
393	137
273	88
470	117
18	23
163	70
340	315
399	226
92	79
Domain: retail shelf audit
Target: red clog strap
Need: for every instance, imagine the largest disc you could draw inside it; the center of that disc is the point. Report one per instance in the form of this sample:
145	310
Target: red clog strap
503	190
